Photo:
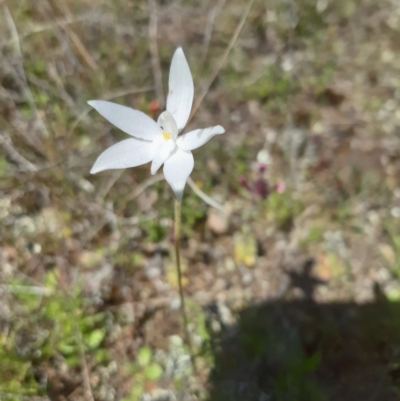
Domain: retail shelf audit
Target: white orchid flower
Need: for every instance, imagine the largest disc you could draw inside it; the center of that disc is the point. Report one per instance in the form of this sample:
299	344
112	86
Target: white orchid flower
157	142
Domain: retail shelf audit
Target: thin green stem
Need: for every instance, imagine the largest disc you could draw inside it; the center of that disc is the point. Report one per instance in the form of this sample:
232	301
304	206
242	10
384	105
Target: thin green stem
179	271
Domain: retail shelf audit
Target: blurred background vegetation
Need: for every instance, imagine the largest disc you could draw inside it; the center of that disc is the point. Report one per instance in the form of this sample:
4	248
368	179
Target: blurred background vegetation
292	282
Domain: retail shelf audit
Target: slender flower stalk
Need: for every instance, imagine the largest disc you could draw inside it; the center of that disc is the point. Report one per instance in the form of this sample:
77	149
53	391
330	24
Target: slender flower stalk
161	144
177	232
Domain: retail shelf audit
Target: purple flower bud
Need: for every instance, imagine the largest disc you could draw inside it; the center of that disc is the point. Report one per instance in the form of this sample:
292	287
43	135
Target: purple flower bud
261	167
261	188
243	182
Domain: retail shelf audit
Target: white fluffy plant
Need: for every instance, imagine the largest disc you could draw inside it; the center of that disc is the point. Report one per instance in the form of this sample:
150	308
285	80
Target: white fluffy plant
159	143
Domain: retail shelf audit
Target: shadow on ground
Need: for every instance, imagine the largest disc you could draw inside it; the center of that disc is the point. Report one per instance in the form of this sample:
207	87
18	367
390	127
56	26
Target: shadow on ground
300	350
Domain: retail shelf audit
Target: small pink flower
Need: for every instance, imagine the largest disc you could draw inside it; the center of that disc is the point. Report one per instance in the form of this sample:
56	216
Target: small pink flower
280	187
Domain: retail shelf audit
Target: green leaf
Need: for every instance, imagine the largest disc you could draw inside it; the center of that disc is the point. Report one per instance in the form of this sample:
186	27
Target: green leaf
393	295
144	356
153	371
136	392
66	349
311	363
51	279
94	339
101	355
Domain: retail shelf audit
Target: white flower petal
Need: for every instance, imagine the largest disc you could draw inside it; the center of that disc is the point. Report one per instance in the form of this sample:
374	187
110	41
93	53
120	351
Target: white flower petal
167	123
131	121
177	169
181	89
128	153
163	149
195	139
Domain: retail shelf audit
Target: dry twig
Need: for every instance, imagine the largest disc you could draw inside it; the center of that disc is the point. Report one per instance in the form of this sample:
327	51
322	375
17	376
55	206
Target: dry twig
20	75
219	66
14	155
155	59
212	15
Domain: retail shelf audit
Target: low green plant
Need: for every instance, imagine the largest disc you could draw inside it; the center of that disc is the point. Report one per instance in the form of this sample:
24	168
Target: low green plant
58	323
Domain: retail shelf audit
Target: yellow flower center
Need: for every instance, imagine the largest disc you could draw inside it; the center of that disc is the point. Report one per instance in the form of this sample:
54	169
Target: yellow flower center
166	136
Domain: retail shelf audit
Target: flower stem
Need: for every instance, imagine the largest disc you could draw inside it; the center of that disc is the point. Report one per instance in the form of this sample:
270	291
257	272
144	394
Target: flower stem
179	271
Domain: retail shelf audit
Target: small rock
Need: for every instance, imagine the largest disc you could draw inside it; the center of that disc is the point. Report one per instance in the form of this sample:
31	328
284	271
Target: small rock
217	222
